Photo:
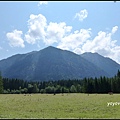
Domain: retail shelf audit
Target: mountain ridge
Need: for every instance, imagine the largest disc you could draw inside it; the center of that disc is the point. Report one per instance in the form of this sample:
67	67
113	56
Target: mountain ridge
105	63
50	63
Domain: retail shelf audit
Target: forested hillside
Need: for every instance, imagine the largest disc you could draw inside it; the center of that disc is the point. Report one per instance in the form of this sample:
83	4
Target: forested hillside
54	64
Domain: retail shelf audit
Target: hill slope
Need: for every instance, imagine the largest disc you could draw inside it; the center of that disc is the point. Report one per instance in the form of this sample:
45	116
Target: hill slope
49	64
104	63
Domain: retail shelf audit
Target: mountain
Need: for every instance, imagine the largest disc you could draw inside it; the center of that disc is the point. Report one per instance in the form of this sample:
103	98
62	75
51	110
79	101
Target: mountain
104	63
50	64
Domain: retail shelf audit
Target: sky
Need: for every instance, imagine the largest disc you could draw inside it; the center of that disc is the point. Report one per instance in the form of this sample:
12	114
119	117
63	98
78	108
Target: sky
75	26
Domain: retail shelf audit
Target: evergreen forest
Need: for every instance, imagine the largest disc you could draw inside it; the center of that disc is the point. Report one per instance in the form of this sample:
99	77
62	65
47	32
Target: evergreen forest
86	85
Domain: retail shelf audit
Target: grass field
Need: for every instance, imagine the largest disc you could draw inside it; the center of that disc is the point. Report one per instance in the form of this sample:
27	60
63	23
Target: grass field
59	106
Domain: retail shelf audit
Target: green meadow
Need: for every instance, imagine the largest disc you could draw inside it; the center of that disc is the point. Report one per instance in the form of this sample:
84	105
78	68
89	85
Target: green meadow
72	105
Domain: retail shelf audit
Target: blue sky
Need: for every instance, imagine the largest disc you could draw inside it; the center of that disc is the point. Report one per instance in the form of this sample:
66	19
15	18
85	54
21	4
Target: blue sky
76	26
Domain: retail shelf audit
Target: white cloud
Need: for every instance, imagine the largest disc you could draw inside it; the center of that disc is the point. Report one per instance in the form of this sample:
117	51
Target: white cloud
78	41
102	44
81	15
114	29
102	40
15	39
36	25
75	40
42	2
56	31
49	34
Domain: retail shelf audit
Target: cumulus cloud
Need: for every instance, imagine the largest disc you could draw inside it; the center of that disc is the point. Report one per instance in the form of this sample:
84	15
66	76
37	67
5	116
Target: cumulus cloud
15	38
47	33
81	15
114	29
75	40
36	25
42	2
78	41
102	44
102	40
55	32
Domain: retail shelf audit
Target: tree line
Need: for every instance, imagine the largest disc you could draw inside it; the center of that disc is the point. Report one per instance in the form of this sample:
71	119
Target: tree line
86	85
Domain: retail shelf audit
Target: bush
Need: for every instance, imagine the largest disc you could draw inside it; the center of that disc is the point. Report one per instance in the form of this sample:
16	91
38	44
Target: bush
5	92
42	91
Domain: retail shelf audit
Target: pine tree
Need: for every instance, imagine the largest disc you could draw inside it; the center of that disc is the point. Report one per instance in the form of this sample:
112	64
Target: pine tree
35	89
73	89
118	74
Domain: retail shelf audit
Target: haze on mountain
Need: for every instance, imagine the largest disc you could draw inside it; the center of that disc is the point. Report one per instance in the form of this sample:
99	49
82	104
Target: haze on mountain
104	63
55	64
